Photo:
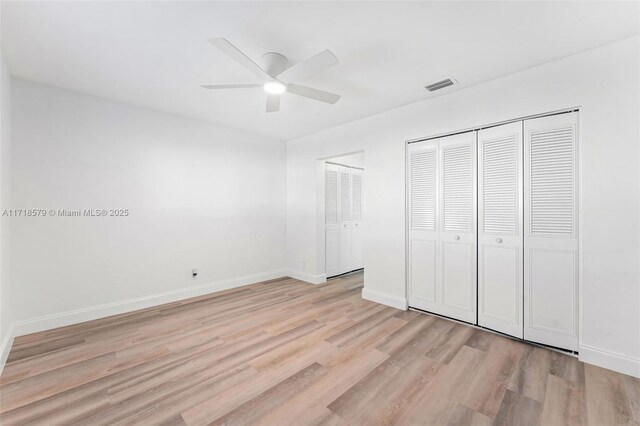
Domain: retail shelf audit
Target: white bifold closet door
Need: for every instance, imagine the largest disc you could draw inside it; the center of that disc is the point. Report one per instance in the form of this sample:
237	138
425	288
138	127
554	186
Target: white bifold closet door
551	231
332	232
442	226
458	255
500	233
422	180
357	187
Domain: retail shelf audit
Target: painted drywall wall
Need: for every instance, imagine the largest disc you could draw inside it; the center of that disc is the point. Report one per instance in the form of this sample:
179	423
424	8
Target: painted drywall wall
198	196
604	83
6	319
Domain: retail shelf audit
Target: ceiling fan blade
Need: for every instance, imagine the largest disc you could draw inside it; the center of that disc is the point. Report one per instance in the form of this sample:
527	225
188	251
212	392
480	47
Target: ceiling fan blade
309	67
239	57
273	102
309	92
232	86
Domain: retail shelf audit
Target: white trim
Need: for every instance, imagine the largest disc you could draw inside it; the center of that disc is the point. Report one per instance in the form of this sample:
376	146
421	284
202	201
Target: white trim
343	165
5	347
580	228
611	360
385	299
495	124
307	277
76	316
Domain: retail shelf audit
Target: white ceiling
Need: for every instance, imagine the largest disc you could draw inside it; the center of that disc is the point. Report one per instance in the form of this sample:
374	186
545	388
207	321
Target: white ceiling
157	55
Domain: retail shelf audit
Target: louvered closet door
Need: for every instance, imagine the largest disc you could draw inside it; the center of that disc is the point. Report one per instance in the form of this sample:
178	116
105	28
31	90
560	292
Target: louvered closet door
500	222
345	218
422	182
551	231
331	213
458	260
356	218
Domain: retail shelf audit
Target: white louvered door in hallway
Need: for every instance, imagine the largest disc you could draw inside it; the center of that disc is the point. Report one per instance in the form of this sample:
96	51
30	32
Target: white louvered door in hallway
357	184
332	233
500	223
343	219
457	293
551	231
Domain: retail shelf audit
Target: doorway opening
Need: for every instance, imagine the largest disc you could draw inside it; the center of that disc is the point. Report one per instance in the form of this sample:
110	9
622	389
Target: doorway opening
343	214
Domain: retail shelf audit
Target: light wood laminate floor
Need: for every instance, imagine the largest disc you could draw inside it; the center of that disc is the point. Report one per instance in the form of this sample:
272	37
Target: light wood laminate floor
285	352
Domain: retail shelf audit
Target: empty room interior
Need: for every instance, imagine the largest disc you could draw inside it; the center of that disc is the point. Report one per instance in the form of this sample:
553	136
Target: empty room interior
319	213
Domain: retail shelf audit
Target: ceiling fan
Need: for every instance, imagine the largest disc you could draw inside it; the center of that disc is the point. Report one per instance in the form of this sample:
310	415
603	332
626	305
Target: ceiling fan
275	74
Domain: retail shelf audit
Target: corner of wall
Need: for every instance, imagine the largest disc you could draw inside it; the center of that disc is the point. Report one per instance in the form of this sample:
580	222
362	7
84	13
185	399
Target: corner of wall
307	277
5	347
385	299
610	360
6	317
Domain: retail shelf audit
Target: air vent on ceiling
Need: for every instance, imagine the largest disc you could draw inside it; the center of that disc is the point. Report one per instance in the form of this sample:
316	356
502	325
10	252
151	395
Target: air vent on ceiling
439	85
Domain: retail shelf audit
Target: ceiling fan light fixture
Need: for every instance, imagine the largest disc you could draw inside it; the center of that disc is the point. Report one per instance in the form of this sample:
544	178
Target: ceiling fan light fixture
274	87
275	71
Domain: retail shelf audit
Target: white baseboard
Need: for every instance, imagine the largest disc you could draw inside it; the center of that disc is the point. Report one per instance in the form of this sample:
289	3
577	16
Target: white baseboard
5	347
76	316
588	354
611	360
307	277
385	299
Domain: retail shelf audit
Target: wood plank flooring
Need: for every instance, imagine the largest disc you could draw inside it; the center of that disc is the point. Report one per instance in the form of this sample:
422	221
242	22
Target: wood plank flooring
285	352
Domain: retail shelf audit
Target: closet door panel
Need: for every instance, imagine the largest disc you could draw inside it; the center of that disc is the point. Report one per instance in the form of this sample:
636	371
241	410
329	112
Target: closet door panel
458	263
332	241
552	305
458	274
500	236
345	219
356	246
500	298
423	274
423	225
332	232
551	225
357	186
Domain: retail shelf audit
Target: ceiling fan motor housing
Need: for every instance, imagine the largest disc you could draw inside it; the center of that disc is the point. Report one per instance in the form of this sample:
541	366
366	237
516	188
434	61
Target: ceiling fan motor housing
274	63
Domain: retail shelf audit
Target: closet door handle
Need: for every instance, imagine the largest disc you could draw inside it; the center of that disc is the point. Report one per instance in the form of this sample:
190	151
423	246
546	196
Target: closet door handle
457	237
498	240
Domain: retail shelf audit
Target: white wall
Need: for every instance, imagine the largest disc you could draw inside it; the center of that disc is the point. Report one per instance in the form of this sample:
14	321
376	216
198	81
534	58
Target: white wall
352	160
5	203
199	196
604	83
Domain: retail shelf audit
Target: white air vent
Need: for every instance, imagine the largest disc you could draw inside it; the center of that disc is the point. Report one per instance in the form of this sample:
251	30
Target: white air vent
440	85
